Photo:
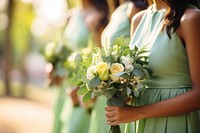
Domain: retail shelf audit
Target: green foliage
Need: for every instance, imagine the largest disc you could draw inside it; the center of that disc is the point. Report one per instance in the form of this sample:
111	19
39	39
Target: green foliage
82	90
87	96
124	71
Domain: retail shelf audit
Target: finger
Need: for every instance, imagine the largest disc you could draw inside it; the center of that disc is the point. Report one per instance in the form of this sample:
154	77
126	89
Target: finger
110	114
111	119
110	108
113	123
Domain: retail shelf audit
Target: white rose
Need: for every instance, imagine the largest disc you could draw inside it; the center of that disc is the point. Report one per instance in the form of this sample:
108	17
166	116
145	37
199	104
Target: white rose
91	71
127	61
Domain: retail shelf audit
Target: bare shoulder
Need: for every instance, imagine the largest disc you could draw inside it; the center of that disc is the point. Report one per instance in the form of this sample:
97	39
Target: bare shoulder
189	24
190	19
132	10
136	20
137	17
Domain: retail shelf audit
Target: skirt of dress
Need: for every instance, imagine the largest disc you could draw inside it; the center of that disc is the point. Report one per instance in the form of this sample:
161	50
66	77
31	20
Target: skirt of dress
58	107
75	119
186	123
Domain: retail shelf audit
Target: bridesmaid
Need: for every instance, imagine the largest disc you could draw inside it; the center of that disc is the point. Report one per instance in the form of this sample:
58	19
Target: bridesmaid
170	104
119	25
84	25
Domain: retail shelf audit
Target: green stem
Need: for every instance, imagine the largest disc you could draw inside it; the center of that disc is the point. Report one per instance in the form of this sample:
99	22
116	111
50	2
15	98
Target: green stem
115	129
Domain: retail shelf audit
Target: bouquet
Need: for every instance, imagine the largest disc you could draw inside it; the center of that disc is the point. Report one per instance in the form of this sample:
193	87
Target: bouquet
117	73
56	54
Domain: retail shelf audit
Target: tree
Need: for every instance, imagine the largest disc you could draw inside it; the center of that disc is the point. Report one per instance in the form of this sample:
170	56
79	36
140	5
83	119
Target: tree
7	60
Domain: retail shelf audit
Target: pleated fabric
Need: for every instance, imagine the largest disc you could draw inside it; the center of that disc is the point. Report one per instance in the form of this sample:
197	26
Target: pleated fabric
171	75
187	123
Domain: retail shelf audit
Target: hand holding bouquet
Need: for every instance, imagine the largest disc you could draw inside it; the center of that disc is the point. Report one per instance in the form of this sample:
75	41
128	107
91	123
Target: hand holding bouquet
118	73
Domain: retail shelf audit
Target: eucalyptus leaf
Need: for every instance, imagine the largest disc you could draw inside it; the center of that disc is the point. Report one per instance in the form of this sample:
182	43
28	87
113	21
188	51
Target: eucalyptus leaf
150	72
78	59
138	66
76	79
85	80
82	90
94	82
138	73
122	74
146	74
87	96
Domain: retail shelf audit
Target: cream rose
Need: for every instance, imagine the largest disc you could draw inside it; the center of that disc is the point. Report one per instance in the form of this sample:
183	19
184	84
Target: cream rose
102	70
116	68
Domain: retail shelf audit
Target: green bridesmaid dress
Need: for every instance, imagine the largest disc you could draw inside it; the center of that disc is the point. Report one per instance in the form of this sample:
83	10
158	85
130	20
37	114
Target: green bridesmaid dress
171	76
59	102
73	119
119	25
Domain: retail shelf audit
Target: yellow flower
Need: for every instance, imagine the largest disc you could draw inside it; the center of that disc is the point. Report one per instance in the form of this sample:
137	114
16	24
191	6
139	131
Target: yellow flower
116	68
102	70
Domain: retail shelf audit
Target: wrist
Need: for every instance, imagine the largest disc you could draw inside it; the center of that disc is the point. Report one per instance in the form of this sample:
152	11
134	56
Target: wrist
140	111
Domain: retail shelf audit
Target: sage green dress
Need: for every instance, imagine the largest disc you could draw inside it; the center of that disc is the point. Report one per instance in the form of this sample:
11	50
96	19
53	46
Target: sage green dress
171	76
70	119
119	25
58	106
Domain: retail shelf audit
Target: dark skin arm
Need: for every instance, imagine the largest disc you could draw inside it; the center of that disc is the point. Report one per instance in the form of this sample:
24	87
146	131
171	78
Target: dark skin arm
181	104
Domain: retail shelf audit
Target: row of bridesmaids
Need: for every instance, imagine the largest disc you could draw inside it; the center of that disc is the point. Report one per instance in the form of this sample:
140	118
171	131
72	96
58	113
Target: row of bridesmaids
99	22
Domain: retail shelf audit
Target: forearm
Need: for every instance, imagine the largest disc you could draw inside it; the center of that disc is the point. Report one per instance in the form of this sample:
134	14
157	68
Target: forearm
178	105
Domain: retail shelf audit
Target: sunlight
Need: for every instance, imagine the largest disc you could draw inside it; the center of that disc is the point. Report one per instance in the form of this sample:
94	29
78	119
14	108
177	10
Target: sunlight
52	10
3	4
49	14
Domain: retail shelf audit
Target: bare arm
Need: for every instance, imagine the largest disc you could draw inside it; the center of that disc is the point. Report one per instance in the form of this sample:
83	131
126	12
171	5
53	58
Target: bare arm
132	10
184	103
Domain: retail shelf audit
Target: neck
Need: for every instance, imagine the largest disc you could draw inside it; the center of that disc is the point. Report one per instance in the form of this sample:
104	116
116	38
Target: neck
159	4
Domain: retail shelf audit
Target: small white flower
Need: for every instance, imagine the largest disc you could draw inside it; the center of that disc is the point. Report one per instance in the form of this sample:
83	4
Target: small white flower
96	59
91	71
127	61
115	50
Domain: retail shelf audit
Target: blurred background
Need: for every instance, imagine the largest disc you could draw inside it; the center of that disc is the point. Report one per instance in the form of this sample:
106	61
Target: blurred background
26	26
26	103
